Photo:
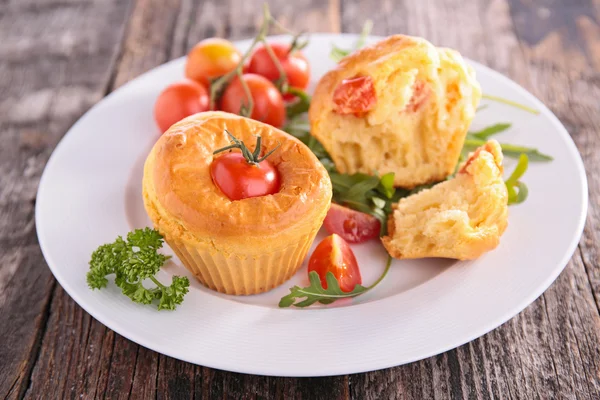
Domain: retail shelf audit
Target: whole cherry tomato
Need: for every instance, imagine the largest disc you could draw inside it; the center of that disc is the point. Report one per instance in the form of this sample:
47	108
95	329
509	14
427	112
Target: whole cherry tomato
210	59
294	64
353	226
178	101
354	96
238	179
334	255
268	103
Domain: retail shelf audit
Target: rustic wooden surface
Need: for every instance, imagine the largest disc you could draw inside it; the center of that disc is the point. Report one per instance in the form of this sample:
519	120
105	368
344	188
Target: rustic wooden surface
59	57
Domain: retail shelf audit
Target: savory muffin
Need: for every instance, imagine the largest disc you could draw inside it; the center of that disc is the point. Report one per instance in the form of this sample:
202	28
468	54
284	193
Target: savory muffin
242	246
401	105
461	218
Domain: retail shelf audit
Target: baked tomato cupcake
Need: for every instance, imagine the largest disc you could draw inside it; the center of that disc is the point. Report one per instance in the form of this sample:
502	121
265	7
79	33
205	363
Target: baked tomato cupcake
240	202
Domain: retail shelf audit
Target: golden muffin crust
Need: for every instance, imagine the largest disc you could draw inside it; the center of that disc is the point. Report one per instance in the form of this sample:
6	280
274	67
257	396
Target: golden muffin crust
185	204
426	98
461	218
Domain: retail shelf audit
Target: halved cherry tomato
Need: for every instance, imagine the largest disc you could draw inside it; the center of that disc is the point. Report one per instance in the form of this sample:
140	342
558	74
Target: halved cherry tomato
178	101
294	64
354	96
268	103
334	255
239	179
354	226
421	92
210	59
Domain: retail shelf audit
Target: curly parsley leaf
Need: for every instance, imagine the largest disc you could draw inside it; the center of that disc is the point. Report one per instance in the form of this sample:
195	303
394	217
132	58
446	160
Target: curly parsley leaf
132	261
315	292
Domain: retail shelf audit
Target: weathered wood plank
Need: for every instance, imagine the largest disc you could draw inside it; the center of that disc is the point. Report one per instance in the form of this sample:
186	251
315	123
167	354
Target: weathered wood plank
54	61
25	291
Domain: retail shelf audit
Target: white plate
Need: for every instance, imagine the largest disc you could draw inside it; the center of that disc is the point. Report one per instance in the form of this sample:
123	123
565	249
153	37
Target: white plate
90	192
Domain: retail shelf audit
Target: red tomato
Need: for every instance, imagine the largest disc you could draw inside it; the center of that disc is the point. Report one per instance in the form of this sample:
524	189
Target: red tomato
178	101
210	59
268	103
354	226
295	66
334	255
421	93
239	179
355	96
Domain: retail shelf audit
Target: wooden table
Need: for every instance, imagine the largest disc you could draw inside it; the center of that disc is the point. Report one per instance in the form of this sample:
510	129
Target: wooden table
59	57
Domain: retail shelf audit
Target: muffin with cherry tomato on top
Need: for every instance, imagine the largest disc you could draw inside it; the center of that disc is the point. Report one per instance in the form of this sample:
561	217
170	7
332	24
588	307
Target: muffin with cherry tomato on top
239	201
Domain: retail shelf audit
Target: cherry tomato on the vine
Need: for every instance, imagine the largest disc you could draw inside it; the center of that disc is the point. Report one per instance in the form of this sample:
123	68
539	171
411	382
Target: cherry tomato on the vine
178	101
210	59
353	226
268	103
354	96
294	64
334	255
238	179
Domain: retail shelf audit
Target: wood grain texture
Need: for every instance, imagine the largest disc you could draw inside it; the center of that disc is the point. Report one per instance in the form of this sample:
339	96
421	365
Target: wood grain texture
59	57
55	59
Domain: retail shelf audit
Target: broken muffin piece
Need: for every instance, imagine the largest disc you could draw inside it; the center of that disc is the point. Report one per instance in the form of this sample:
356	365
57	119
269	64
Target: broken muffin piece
461	218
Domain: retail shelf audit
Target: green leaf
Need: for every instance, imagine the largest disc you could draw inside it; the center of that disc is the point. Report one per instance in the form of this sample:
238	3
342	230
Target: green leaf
523	193
378	202
510	103
489	131
133	261
315	292
510	150
173	295
338	53
517	190
386	185
519	170
359	189
300	106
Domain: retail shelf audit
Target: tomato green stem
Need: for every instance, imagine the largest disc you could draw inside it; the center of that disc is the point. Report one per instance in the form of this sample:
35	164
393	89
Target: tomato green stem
219	84
251	157
281	82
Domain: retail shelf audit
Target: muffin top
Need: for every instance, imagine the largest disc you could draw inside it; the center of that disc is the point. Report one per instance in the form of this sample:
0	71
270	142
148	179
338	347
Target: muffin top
184	202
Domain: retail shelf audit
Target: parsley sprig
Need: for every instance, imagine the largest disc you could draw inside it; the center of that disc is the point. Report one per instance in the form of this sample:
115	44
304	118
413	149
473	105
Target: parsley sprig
316	293
132	261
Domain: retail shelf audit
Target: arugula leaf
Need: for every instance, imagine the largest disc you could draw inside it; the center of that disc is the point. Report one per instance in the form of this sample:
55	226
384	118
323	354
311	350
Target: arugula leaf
517	190
338	53
300	106
510	150
132	262
370	194
510	103
386	185
316	293
489	131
